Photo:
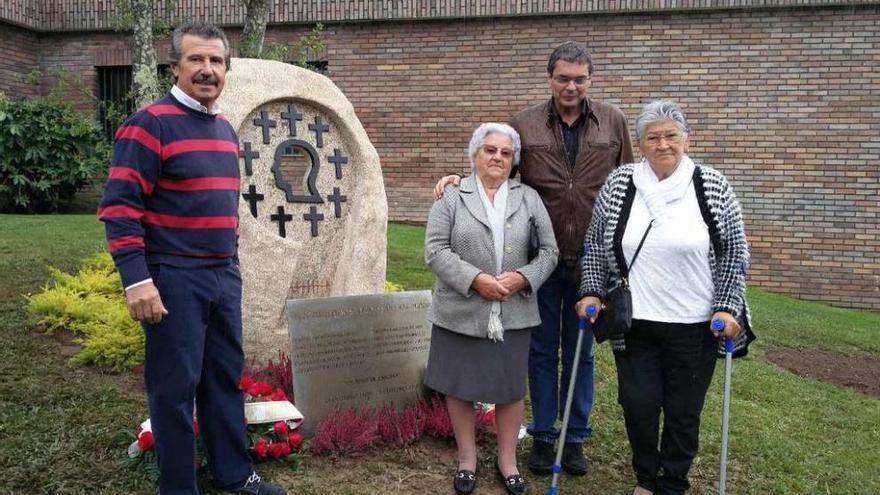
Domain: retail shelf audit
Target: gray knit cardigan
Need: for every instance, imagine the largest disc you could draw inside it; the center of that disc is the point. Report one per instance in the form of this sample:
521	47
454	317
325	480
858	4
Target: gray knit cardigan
728	251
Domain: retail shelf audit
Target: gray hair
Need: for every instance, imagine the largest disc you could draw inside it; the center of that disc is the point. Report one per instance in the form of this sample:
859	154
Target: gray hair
201	29
659	111
572	52
483	132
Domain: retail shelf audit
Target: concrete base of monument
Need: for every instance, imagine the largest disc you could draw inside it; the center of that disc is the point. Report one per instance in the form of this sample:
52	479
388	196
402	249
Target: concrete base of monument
313	212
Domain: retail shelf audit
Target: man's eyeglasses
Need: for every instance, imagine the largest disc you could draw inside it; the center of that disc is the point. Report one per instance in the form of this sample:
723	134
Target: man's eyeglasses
506	153
578	81
656	139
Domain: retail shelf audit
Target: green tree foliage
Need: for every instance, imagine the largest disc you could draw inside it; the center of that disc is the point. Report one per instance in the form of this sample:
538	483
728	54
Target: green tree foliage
47	153
297	53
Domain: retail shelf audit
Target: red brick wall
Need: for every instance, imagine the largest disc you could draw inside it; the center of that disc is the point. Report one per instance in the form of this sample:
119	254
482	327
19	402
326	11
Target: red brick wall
19	58
784	102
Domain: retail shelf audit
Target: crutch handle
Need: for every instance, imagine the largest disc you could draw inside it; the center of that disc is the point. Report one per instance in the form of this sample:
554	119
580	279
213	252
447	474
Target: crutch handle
718	327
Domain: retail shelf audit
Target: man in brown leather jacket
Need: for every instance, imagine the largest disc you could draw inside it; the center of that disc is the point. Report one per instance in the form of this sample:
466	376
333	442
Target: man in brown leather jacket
569	145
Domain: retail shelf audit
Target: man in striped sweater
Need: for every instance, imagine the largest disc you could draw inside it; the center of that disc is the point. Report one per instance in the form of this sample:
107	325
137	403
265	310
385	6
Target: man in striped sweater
171	214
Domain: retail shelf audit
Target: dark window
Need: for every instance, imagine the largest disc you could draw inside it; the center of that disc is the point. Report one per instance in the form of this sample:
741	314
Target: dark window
319	66
114	97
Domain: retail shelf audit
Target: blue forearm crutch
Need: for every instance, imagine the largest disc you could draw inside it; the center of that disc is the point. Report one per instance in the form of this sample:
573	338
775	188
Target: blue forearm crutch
718	326
557	465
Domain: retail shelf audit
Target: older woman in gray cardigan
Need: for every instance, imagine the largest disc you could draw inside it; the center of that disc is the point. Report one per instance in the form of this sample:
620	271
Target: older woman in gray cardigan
484	306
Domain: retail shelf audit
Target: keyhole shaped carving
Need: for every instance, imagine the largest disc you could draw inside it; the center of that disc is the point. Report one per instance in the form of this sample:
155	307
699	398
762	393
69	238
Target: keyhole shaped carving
295	167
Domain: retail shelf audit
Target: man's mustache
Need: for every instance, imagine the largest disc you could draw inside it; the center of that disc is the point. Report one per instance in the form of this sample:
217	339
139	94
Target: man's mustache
203	79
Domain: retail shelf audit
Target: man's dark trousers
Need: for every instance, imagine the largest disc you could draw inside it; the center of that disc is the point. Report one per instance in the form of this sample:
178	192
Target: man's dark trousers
668	367
195	354
556	300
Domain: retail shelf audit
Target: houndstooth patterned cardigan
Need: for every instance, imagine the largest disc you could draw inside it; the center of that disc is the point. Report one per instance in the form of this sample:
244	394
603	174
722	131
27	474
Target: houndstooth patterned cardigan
728	250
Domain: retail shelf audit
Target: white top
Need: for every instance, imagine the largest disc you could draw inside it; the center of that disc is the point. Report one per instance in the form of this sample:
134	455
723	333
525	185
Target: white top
671	280
193	103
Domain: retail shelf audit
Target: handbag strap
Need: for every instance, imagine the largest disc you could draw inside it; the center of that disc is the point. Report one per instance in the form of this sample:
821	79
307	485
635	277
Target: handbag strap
625	276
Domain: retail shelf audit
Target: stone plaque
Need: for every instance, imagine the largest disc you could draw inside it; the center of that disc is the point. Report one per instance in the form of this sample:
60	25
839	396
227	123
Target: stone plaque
313	212
353	351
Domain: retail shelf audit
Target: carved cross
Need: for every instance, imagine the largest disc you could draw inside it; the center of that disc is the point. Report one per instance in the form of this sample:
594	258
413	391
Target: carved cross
282	219
248	154
314	217
320	128
338	160
252	197
266	123
291	116
337	200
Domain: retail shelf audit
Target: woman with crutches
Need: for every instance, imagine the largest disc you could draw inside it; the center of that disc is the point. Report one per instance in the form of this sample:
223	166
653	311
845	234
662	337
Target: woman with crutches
671	232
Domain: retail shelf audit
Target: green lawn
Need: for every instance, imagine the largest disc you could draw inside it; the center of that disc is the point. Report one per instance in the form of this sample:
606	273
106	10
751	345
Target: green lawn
788	434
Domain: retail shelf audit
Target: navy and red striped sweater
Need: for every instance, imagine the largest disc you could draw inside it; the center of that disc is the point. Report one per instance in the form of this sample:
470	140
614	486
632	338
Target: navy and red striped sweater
172	191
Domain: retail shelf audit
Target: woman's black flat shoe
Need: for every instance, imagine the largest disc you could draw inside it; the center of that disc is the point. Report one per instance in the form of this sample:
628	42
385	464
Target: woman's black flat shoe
464	482
514	484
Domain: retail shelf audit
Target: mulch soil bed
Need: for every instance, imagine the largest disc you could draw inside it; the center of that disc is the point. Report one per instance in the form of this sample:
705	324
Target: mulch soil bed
861	373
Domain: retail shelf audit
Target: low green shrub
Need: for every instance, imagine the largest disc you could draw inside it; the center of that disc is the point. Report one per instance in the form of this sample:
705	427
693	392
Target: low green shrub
392	287
91	304
48	151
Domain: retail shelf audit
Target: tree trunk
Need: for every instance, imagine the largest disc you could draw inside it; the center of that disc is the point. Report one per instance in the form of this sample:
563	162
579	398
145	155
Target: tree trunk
145	83
256	16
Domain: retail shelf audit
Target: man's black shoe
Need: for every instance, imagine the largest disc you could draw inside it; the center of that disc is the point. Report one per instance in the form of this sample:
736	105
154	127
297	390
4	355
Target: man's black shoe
254	485
573	460
541	457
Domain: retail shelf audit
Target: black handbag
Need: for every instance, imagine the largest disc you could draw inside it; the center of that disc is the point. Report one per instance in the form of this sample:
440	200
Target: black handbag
534	240
616	318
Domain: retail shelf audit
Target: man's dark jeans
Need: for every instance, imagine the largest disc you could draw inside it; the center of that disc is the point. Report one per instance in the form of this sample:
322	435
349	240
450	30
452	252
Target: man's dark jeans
666	367
556	300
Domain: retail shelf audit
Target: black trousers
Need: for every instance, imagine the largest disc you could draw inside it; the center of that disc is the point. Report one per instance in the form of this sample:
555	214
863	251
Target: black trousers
666	367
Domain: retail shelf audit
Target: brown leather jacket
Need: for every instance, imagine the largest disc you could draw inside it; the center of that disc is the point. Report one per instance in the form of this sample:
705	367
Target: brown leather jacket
569	190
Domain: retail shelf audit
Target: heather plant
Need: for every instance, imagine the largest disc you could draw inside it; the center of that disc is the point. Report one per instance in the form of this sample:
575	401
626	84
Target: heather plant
348	431
345	432
48	151
400	428
278	373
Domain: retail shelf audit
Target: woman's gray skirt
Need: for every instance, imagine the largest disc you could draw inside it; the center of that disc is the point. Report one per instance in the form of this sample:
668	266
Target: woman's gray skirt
478	369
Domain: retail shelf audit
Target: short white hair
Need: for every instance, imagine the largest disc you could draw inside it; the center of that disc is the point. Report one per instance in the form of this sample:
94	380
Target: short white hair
483	131
660	111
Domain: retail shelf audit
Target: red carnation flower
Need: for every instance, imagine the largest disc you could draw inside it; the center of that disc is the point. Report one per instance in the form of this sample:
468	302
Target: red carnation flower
278	394
253	390
489	417
285	449
145	440
258	389
245	383
280	428
261	447
277	449
295	439
196	429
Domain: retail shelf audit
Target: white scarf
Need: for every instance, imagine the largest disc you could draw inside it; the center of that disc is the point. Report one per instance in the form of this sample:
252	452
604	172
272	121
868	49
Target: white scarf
495	213
656	193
